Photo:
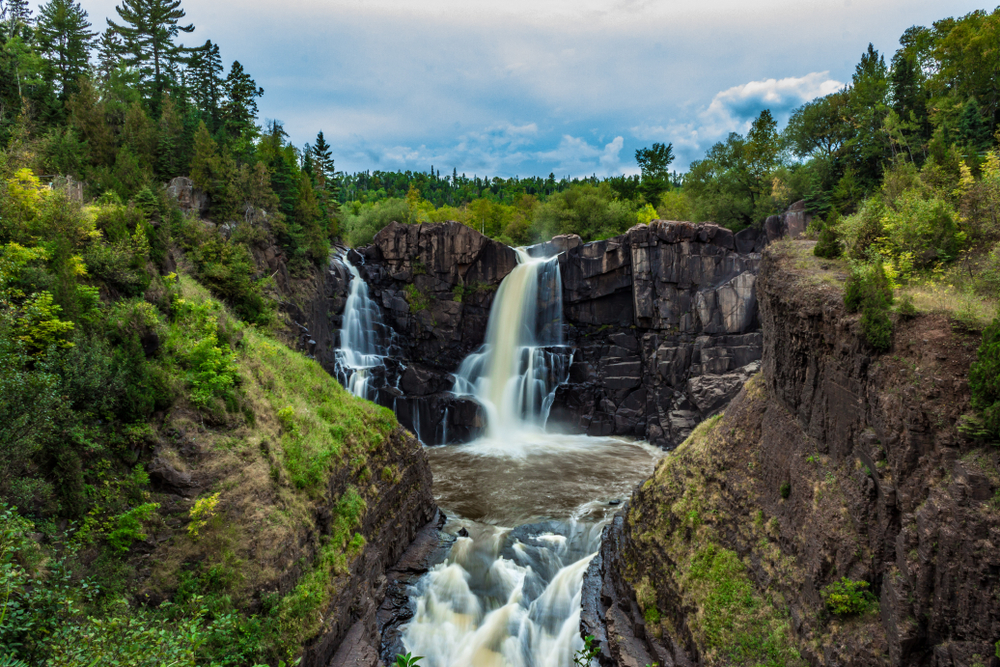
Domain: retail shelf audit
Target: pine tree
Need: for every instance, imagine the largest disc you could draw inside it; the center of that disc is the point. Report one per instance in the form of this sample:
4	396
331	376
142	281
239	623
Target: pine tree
323	158
18	16
205	161
109	48
64	37
149	28
239	111
169	138
828	246
973	130
206	81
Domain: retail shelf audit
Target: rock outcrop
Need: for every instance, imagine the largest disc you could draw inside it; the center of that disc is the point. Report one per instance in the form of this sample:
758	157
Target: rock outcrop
662	320
832	463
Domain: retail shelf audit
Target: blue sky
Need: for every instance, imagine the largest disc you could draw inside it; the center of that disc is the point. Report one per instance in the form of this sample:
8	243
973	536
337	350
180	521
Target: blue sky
528	87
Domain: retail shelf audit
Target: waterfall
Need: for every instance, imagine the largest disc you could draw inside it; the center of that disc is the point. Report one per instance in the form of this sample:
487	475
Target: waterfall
359	350
515	373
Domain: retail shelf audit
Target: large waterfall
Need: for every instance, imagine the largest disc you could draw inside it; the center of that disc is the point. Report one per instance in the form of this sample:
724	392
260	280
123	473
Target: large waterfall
515	374
526	506
360	350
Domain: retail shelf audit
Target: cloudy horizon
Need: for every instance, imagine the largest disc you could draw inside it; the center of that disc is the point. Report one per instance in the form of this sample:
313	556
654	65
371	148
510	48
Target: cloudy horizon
572	88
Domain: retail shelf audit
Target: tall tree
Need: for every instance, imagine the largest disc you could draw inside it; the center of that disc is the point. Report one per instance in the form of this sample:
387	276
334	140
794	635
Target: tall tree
149	29
17	14
653	162
867	107
109	49
64	36
239	111
323	158
206	82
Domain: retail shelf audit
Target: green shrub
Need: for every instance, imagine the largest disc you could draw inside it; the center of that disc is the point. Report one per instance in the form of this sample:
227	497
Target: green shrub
868	290
786	489
984	378
128	527
828	246
847	597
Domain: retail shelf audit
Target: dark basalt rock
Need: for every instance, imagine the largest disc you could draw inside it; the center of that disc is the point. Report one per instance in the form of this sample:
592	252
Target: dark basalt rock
663	321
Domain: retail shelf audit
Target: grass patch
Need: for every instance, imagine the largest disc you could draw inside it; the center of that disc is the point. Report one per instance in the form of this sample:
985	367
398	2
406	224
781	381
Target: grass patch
734	620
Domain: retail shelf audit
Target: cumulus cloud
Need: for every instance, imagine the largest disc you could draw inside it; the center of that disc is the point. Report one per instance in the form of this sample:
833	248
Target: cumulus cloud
741	104
734	109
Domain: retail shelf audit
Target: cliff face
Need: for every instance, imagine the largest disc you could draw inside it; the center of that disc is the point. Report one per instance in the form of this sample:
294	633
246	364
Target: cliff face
832	463
665	326
662	321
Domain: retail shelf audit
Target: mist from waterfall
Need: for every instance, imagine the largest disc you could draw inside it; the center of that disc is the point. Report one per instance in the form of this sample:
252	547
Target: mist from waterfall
522	361
359	349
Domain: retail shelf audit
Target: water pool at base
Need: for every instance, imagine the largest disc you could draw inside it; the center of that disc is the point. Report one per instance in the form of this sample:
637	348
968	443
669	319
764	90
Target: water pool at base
533	506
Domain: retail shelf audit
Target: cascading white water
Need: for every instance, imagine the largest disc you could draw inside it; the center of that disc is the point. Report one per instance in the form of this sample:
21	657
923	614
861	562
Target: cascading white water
510	597
515	373
359	350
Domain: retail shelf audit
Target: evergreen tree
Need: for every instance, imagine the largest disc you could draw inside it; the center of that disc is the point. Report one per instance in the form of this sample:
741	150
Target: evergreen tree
169	140
206	82
17	14
205	160
239	111
323	159
828	246
973	130
64	36
109	48
149	29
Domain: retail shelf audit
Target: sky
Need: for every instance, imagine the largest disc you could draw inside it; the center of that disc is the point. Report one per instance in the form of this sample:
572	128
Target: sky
529	87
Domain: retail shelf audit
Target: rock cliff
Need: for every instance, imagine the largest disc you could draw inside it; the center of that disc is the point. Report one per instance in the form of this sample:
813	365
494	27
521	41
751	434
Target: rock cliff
833	462
662	321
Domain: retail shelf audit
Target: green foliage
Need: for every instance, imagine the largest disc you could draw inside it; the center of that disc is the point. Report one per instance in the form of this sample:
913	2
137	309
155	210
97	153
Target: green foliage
785	489
732	610
828	246
407	660
847	597
418	300
128	527
590	650
984	378
868	290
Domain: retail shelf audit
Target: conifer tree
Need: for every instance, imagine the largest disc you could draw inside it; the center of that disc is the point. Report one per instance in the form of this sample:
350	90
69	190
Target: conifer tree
169	140
323	158
64	36
205	160
240	108
18	16
149	29
206	82
109	48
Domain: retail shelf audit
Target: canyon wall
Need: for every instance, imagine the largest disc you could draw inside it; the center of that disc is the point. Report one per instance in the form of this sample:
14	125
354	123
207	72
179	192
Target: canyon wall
662	322
833	462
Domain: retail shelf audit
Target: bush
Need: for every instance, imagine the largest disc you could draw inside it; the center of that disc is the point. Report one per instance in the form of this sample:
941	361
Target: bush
847	597
868	290
828	246
984	378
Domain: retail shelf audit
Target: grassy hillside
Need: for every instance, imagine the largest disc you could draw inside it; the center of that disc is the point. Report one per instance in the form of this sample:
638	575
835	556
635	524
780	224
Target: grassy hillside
178	487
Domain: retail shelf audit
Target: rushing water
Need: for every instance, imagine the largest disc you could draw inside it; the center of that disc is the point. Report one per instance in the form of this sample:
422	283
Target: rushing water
522	361
528	506
360	350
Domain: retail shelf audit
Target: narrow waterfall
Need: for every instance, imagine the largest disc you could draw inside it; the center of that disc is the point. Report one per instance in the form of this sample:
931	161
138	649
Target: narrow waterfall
515	373
527	506
360	350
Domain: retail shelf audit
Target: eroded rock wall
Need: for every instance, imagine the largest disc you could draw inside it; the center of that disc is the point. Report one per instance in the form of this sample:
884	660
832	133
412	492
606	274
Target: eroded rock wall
662	320
834	462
